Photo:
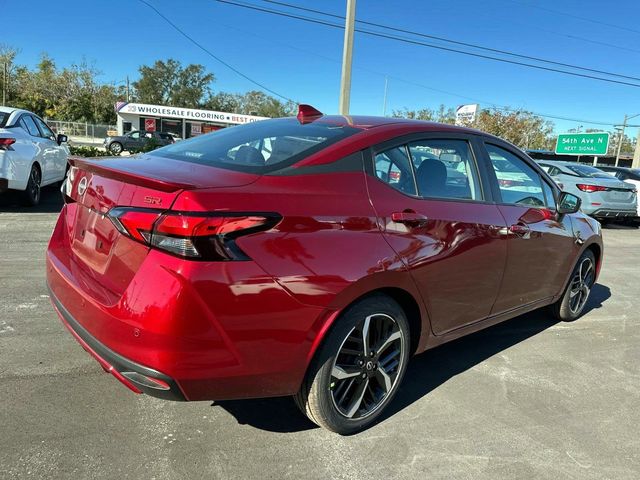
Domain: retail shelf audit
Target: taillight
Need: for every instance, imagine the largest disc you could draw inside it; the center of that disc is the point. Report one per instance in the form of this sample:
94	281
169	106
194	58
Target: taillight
591	188
5	143
506	183
195	235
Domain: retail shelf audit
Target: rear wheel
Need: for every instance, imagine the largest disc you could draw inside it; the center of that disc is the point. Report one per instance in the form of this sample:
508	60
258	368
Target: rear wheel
32	194
572	303
357	370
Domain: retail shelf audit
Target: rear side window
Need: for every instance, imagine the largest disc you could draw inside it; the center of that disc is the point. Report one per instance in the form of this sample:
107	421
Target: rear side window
445	169
4	117
394	168
258	147
29	125
519	183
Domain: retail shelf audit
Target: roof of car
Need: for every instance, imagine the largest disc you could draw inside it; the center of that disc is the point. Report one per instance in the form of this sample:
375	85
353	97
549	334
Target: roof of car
366	122
11	109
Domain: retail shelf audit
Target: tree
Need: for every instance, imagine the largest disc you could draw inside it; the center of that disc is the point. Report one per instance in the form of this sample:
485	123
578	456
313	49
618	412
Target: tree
168	83
443	115
7	63
263	105
223	102
519	127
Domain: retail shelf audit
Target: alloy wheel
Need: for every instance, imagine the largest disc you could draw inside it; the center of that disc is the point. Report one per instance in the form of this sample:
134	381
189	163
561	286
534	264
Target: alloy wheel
34	185
581	285
366	368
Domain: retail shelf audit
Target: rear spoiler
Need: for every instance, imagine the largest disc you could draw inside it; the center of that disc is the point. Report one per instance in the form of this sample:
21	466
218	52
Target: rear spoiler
102	168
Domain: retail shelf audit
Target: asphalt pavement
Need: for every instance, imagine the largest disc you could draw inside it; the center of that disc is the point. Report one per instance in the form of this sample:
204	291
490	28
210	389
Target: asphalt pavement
530	398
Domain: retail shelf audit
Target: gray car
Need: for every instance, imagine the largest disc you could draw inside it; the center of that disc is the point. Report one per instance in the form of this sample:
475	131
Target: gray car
603	195
136	141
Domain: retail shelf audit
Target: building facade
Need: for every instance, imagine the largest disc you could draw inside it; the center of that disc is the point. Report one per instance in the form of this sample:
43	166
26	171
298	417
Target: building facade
183	122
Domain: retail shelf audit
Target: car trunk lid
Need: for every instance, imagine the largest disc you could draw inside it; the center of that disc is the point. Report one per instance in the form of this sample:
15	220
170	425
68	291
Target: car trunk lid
94	187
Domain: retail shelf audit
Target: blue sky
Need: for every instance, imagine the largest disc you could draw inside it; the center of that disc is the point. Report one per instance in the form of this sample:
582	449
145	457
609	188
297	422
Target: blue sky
302	60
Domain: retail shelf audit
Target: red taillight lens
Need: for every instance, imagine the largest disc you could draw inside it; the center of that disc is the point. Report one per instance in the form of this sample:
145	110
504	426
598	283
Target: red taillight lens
192	235
506	183
5	143
591	188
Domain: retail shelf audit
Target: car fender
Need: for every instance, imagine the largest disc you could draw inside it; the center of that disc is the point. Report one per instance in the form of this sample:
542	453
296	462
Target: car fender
587	234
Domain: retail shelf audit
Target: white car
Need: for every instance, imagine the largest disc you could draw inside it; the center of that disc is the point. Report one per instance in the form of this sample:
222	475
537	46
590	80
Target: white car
31	155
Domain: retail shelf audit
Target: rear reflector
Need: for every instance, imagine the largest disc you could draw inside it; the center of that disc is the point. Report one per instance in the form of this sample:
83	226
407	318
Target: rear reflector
195	235
591	188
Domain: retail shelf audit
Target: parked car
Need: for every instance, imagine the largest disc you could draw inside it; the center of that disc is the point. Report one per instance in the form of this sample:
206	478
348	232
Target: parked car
31	155
603	196
136	141
216	268
629	175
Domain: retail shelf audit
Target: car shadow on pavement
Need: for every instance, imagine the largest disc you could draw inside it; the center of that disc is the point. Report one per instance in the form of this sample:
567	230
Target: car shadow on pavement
425	372
50	201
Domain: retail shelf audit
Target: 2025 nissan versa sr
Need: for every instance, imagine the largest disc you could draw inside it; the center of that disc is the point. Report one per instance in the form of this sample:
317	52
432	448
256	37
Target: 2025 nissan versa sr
309	256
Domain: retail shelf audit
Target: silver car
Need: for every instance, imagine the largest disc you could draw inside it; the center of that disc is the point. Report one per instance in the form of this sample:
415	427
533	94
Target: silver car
603	195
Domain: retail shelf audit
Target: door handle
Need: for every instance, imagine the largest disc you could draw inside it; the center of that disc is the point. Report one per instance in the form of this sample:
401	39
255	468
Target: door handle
409	218
520	230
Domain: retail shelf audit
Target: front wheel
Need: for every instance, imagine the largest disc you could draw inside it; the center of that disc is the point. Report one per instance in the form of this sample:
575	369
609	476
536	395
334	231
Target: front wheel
358	369
571	305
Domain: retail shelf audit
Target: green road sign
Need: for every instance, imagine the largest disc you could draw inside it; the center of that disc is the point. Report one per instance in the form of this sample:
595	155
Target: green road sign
582	143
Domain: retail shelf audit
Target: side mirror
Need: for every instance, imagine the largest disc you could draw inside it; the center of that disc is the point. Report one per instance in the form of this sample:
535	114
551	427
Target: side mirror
62	139
568	203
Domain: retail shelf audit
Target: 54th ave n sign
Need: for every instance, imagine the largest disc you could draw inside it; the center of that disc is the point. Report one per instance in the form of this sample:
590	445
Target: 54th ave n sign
582	143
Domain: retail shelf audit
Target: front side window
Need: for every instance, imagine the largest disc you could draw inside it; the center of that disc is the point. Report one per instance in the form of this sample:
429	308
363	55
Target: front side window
445	169
519	183
134	135
260	146
394	168
44	129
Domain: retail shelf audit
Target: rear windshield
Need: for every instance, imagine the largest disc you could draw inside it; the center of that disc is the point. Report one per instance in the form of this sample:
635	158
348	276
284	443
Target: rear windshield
258	147
4	116
589	172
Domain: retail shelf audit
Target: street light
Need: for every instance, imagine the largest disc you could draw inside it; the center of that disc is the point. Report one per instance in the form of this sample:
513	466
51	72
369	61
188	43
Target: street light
621	136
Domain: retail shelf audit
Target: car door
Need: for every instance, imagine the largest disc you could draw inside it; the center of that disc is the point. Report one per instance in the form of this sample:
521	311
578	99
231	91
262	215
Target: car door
55	155
133	140
441	224
541	244
28	124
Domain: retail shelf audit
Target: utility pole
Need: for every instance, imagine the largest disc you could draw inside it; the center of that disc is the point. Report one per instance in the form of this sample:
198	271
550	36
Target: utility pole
4	84
347	56
384	102
620	139
636	155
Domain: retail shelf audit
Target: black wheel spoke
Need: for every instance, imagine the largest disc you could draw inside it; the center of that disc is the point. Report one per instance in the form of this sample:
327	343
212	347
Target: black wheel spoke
366	367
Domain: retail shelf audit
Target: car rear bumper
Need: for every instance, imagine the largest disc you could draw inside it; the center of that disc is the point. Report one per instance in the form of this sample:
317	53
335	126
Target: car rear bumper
136	377
210	331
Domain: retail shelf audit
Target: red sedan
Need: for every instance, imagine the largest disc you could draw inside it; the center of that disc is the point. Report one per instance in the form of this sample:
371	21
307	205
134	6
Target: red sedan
309	256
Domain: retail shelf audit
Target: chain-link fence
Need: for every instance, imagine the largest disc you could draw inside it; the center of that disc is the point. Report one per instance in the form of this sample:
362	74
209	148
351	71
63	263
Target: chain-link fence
83	132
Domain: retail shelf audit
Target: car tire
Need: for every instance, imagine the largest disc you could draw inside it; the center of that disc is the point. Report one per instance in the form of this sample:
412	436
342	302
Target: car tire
31	195
345	389
116	148
571	305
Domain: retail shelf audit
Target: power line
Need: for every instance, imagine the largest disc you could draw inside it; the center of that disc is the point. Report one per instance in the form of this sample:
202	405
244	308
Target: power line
564	14
208	52
428	45
455	42
417	84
